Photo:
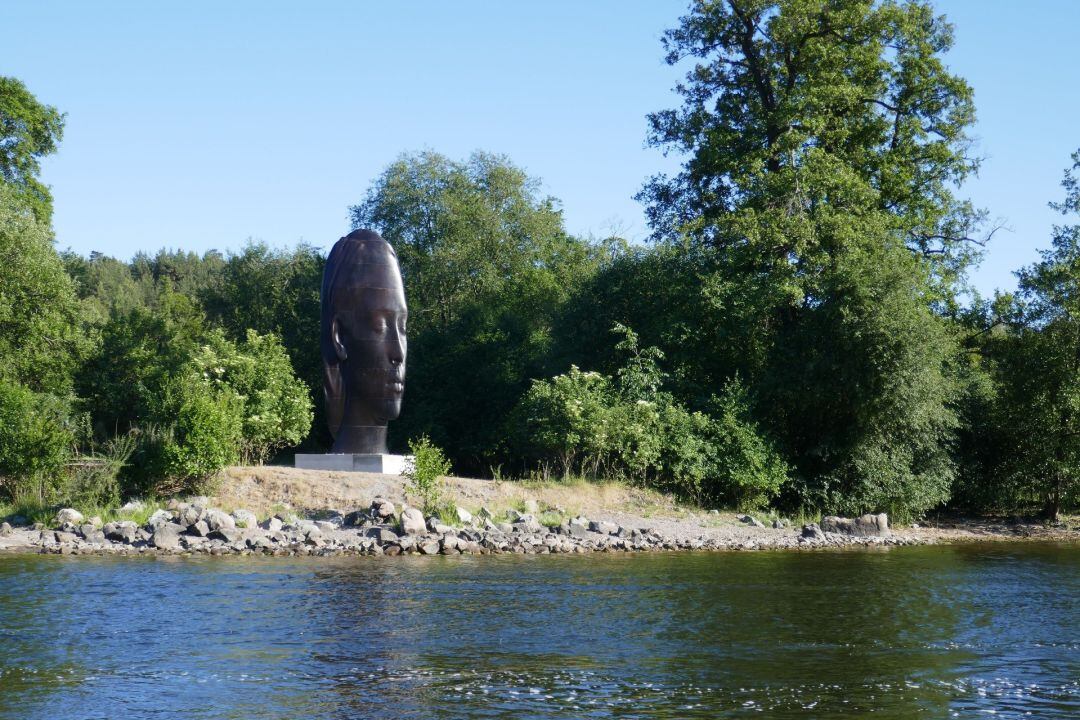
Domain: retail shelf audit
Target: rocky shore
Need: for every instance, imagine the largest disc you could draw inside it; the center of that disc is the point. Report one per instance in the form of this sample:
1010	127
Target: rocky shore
383	528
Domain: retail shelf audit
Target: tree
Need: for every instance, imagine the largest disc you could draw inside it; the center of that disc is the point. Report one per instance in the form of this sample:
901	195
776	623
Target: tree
39	339
788	94
487	264
824	140
1038	363
28	132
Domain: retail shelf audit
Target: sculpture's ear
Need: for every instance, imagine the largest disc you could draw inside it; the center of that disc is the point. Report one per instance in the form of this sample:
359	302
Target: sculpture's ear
335	339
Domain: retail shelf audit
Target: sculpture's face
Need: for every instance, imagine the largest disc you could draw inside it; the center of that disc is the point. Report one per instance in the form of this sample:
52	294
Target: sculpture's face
371	329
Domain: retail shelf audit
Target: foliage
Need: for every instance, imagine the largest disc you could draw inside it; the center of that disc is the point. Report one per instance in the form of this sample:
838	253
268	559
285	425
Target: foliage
29	131
36	442
39	339
424	474
1035	412
629	427
487	265
276	405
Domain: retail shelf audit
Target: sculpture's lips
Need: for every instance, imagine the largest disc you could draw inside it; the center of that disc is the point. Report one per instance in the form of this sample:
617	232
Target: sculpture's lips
397	386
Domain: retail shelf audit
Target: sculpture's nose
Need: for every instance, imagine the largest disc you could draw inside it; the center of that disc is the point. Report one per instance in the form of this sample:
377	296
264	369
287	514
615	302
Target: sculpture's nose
396	349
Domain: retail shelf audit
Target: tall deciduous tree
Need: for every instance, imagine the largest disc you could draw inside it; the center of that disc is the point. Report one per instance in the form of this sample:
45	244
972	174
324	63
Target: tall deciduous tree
29	130
824	140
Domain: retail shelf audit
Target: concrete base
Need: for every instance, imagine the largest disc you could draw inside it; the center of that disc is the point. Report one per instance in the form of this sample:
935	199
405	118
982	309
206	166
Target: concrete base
353	462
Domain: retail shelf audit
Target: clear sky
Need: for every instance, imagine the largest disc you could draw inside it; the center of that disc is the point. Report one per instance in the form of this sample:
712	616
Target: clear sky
198	125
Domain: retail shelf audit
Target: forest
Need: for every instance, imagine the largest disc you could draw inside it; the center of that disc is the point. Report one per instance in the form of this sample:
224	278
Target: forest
798	333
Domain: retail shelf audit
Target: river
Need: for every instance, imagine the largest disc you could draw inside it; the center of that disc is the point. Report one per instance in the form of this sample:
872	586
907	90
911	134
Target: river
907	632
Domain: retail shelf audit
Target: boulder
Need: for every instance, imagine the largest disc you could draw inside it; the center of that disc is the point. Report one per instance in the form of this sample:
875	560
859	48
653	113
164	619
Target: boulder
574	529
751	521
356	517
159	517
326	525
166	536
382	508
429	547
812	532
604	528
217	520
527	523
244	518
272	524
382	534
862	526
463	515
69	516
94	537
188	515
132	506
412	521
122	531
228	534
199	529
5	529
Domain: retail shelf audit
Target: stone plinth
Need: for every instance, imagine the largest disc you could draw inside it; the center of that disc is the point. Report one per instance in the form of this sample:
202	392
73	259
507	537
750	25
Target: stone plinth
352	462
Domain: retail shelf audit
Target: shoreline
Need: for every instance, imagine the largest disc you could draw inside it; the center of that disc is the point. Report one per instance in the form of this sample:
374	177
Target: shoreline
280	511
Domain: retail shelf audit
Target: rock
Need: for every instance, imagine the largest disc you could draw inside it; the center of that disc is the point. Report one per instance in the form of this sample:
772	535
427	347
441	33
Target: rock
228	534
167	536
325	525
463	515
575	529
259	542
778	524
863	526
751	521
94	537
5	530
355	518
244	518
188	515
528	524
217	520
199	529
132	506
412	521
95	521
812	532
64	537
604	528
272	524
69	516
484	514
449	543
382	534
123	531
382	508
714	511
159	517
86	528
429	547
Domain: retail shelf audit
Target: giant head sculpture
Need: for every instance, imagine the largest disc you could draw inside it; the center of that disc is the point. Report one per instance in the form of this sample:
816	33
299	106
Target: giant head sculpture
363	341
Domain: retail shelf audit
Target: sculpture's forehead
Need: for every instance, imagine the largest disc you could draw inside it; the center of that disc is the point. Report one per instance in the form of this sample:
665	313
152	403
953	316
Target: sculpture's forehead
373	272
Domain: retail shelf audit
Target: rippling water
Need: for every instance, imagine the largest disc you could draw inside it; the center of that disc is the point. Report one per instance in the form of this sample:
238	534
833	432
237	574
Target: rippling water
908	632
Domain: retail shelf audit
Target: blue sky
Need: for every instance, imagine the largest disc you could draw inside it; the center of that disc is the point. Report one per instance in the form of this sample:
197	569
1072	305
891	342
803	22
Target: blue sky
198	125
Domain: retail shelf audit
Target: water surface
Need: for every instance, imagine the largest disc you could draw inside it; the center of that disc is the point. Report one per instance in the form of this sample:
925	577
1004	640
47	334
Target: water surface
906	632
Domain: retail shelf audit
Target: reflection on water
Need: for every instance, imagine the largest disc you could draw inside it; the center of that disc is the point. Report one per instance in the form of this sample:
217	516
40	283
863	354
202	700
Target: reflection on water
911	632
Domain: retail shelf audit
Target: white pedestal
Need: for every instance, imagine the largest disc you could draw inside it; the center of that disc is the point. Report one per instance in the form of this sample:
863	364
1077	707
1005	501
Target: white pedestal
353	462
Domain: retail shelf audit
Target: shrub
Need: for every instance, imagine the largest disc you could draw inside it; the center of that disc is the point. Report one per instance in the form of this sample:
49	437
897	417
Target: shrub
35	442
277	410
424	475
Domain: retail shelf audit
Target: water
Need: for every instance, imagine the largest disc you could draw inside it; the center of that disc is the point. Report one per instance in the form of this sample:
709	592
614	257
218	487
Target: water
908	632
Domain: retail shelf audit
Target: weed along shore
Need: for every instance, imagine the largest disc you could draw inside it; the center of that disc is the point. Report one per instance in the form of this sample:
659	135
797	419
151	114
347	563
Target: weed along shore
285	512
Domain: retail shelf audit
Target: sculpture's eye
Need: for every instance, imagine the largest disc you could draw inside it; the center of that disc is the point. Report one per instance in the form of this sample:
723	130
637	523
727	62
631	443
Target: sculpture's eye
378	323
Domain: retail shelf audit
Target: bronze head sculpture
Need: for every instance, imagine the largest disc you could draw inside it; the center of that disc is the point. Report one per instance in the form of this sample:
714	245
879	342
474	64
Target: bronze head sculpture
362	337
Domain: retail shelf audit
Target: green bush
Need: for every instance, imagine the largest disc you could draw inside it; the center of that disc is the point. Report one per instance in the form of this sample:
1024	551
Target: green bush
35	442
424	475
276	407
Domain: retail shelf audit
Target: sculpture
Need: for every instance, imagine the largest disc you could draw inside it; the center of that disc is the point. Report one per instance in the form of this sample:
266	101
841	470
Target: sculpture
362	338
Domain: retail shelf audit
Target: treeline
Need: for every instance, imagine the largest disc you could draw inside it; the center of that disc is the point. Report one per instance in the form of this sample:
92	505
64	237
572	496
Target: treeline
799	332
